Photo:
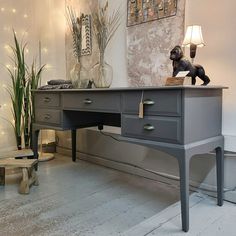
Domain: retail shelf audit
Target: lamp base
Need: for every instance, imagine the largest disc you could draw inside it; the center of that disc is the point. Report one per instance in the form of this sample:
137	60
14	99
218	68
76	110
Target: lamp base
193	49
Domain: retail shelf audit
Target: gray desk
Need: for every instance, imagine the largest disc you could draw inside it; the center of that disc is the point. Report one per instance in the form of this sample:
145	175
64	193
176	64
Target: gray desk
180	120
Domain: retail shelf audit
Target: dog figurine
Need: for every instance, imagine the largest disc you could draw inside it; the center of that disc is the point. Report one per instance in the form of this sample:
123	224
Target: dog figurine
181	63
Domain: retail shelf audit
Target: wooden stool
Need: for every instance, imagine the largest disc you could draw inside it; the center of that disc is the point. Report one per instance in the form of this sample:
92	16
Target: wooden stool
29	176
18	154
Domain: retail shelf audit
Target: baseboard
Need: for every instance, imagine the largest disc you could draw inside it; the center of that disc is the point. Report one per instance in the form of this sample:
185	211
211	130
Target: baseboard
230	143
113	165
130	169
195	186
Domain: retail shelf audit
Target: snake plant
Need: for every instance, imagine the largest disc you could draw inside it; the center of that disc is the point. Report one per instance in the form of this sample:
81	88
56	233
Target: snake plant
22	81
17	88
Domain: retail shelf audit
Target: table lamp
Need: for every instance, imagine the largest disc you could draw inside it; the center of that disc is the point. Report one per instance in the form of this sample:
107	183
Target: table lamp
193	39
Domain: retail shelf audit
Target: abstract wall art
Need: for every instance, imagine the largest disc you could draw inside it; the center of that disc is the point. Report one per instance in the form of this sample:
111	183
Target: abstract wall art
141	11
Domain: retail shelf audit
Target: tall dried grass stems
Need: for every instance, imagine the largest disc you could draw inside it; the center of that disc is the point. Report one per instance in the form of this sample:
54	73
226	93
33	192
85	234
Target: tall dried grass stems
75	25
105	25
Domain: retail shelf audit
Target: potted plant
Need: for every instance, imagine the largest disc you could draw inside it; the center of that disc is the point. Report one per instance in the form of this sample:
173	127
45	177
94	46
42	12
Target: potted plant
23	81
17	88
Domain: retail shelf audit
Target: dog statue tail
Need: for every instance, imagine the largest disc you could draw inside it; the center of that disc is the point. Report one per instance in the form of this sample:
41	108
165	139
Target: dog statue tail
202	75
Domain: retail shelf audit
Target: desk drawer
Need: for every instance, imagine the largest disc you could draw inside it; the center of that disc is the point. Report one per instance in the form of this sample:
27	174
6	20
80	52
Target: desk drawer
165	102
48	116
152	128
47	100
92	101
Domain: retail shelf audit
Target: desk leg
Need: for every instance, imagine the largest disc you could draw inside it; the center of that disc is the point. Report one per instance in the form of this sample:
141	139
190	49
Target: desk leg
35	135
220	175
73	142
184	191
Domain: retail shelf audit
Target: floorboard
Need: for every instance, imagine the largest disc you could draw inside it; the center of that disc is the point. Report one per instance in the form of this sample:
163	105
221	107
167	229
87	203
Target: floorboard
86	199
81	199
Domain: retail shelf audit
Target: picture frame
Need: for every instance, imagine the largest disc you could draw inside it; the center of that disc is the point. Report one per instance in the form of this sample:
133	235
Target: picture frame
142	11
86	36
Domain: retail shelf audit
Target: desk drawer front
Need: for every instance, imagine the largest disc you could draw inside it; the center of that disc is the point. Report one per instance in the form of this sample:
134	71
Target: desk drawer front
48	116
166	102
153	128
92	101
47	100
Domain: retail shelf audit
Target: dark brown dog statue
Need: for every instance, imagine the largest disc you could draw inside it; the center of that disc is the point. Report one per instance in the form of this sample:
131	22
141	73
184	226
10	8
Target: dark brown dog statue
181	63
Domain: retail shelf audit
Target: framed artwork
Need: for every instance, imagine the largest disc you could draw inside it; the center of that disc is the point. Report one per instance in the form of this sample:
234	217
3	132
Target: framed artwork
86	36
141	11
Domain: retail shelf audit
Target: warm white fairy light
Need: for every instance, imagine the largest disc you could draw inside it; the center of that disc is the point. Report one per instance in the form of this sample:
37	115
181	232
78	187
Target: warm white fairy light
6	28
45	50
48	66
7	48
5	107
24	33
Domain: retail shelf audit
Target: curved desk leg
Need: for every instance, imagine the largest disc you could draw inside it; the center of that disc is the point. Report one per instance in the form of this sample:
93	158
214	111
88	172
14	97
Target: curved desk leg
73	142
184	191
220	174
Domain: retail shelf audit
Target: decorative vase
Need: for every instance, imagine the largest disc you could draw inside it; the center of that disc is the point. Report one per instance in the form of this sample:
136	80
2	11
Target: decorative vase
101	73
79	76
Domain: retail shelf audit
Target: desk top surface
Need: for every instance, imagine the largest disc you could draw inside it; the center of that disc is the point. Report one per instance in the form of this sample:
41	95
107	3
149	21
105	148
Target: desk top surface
136	88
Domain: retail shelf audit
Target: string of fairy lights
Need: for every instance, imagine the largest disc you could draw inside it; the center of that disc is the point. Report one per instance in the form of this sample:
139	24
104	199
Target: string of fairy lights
7	16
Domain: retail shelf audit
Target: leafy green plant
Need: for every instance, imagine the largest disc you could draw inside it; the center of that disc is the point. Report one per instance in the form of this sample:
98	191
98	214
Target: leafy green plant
23	81
17	88
34	78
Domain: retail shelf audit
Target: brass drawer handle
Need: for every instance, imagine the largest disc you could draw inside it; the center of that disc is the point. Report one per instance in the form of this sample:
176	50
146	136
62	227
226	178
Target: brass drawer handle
148	127
47	117
148	102
47	99
88	101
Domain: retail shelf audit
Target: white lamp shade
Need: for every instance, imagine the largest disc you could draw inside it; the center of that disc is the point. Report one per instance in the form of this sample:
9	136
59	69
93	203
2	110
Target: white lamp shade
193	36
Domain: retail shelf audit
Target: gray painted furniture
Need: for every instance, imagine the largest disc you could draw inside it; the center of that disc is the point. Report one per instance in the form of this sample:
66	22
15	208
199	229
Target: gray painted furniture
179	120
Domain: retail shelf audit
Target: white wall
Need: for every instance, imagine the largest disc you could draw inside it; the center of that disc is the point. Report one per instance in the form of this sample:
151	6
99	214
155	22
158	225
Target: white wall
116	54
33	21
218	21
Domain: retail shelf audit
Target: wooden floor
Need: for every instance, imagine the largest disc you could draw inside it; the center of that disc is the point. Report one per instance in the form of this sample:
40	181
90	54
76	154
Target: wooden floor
81	199
206	219
86	199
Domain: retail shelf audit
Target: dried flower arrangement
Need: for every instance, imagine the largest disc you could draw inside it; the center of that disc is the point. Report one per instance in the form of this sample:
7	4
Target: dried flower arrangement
105	26
75	25
78	73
